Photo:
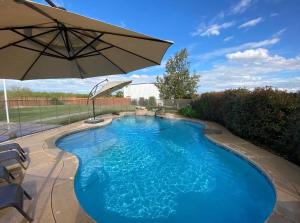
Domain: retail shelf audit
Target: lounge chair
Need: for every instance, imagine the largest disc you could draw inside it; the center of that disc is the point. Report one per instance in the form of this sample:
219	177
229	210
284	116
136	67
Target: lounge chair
12	195
5	175
10	155
13	146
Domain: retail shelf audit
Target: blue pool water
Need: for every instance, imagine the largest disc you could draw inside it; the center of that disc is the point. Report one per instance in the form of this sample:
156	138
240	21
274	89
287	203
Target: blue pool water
147	169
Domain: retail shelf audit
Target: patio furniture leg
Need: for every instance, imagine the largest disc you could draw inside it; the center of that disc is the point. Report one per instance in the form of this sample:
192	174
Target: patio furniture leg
21	163
23	157
24	213
27	195
12	176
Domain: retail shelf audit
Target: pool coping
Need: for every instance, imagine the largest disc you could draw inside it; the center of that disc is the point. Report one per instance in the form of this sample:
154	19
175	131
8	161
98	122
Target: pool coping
279	212
62	185
240	155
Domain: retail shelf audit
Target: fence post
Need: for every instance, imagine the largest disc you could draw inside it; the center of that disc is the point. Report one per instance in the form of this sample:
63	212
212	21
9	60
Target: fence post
6	104
69	113
79	106
56	118
19	119
40	113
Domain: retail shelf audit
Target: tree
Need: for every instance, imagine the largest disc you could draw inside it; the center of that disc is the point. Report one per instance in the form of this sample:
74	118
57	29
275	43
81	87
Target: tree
177	82
143	101
152	102
120	94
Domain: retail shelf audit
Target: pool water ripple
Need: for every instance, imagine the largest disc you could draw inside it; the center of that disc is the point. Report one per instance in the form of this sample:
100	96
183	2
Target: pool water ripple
145	169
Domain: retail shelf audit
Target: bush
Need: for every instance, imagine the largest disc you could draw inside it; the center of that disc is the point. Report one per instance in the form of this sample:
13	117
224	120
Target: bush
152	102
265	116
188	111
143	101
120	94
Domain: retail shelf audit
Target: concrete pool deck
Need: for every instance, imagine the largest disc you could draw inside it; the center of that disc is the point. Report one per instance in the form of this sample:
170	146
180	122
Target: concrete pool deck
50	175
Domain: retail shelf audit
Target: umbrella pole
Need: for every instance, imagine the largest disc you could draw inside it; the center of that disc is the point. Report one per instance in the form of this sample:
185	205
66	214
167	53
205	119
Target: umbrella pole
94	114
6	104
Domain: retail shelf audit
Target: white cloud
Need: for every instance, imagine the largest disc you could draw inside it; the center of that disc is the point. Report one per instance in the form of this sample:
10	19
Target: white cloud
244	46
253	68
274	14
253	54
279	33
75	85
241	6
123	24
212	30
251	23
138	76
263	62
228	38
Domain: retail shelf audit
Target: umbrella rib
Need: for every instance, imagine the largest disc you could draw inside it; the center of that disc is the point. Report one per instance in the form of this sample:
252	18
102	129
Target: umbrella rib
66	45
92	53
81	71
99	53
137	55
26	38
36	41
38	57
44	53
33	7
124	35
88	44
98	31
123	71
36	26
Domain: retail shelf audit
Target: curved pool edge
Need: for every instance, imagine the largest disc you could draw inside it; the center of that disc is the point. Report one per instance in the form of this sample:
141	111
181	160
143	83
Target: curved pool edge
282	188
239	154
73	164
280	213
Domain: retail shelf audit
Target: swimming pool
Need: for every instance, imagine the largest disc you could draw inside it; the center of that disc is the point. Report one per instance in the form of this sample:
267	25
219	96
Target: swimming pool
145	169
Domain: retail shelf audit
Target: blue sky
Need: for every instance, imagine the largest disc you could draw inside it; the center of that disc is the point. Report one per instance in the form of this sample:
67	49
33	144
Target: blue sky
232	43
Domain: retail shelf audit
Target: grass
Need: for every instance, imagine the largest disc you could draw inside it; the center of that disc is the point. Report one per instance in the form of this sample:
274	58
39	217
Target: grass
57	114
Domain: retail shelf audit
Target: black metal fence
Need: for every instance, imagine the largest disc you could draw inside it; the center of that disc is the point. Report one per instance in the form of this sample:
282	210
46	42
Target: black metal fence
31	116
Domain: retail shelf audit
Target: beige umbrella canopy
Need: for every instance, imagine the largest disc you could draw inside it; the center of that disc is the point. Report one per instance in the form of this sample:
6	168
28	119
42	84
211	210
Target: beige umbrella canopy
39	42
109	87
104	90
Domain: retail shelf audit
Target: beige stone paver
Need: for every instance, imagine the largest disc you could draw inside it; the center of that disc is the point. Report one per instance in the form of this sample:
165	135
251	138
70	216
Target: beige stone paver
50	176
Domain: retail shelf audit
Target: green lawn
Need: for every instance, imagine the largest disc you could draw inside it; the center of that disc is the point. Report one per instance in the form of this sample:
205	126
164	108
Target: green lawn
57	114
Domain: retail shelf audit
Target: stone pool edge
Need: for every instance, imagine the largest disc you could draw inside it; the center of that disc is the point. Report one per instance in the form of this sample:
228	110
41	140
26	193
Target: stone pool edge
282	188
73	164
51	147
279	213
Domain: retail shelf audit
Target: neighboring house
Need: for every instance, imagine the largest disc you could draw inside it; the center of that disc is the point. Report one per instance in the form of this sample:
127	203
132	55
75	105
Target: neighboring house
145	90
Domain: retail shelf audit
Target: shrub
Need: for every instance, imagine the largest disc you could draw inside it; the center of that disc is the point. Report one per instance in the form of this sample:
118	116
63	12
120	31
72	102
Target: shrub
152	102
134	102
265	116
143	101
120	94
188	111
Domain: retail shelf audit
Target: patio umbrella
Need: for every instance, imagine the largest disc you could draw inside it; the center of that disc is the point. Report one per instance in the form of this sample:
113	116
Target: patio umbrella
41	42
105	90
110	87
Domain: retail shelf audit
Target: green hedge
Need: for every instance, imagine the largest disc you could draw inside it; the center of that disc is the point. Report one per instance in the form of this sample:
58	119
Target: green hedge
265	116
